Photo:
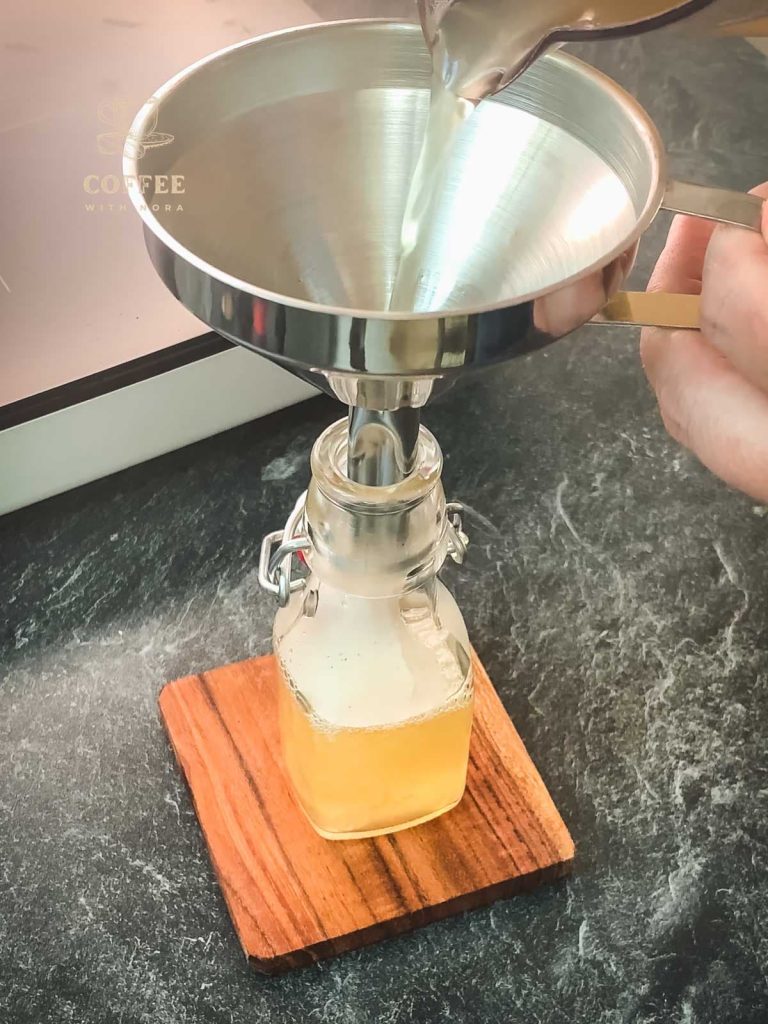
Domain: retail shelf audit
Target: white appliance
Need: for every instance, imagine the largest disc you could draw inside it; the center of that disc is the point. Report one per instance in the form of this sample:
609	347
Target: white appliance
100	367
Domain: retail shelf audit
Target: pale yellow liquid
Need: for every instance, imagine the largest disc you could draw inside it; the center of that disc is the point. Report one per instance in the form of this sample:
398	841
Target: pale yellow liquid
356	782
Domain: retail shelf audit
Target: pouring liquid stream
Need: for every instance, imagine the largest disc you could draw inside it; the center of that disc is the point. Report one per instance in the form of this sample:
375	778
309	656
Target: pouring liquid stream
480	46
476	48
447	114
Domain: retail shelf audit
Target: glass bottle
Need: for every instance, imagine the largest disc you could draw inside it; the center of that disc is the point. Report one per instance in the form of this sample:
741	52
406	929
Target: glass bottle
376	675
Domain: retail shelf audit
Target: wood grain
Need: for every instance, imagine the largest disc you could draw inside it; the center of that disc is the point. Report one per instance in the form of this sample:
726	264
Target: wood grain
295	898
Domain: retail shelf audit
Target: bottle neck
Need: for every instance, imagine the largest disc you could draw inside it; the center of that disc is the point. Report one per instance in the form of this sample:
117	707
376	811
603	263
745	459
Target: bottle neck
375	541
372	541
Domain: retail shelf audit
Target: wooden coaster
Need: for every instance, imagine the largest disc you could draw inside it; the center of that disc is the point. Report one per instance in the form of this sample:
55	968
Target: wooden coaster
295	898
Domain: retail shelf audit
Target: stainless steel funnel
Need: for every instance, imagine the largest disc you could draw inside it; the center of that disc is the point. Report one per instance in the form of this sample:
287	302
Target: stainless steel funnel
295	153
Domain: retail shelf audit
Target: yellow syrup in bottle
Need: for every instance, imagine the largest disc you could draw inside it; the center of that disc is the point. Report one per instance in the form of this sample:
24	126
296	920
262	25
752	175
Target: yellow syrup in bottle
375	709
364	781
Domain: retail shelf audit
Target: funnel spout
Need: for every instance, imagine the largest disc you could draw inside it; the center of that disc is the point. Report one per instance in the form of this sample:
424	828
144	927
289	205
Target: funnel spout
382	445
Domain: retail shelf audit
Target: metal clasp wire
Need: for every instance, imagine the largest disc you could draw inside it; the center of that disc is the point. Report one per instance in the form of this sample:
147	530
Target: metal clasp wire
458	541
276	566
276	563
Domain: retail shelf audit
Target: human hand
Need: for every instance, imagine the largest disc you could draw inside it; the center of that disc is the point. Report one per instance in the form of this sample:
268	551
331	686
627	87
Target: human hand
712	386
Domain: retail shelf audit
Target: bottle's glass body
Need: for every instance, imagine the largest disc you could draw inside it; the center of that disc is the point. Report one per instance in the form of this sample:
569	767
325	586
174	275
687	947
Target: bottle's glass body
376	676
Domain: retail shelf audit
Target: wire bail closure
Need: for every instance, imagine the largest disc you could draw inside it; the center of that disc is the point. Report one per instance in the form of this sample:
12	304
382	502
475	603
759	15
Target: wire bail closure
276	564
279	548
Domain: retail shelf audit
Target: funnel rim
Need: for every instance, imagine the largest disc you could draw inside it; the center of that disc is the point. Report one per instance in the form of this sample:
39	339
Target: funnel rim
644	126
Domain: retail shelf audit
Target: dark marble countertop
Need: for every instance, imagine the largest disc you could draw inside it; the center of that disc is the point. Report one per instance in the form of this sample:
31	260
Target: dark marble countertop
615	591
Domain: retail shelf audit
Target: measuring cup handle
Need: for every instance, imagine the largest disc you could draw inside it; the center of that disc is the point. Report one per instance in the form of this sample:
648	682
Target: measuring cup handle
662	309
651	309
721	204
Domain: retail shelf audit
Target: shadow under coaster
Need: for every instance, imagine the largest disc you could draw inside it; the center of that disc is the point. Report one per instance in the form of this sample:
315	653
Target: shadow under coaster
294	897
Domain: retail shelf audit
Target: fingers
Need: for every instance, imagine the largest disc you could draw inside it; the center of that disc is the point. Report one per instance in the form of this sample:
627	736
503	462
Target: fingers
710	385
681	264
710	408
734	309
679	269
